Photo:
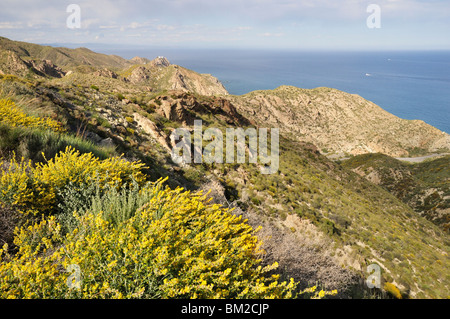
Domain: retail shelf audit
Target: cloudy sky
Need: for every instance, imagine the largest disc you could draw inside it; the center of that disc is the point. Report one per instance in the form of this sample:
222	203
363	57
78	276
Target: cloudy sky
261	24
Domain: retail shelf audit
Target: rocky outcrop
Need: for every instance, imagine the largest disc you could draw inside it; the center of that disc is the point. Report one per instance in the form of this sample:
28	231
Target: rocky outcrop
12	63
139	75
177	81
181	107
159	62
47	67
151	129
190	81
106	73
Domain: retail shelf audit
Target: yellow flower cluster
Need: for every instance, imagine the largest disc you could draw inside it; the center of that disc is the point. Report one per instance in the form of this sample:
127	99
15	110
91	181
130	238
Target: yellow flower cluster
14	116
312	291
391	289
176	246
34	271
14	182
34	189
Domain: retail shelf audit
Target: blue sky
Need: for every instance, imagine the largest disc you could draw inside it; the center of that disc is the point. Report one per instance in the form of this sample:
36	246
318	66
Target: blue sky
250	24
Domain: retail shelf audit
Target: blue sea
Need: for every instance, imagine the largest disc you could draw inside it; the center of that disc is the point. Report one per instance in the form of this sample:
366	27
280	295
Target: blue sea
410	85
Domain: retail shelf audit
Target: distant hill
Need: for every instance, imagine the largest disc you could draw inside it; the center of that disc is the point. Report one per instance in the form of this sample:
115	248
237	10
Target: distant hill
340	123
85	66
63	57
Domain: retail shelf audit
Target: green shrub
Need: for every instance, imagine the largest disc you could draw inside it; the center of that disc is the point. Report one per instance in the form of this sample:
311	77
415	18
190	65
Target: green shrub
256	201
36	189
328	227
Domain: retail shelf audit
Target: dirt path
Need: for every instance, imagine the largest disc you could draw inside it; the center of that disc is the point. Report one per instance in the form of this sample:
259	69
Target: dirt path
406	159
420	158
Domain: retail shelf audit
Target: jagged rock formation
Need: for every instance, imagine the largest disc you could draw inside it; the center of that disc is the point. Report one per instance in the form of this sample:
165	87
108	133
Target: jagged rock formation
159	62
181	107
150	128
139	75
189	81
12	63
106	73
47	67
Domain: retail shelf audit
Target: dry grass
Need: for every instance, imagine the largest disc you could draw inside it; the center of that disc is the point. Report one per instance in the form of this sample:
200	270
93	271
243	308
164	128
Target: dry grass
302	251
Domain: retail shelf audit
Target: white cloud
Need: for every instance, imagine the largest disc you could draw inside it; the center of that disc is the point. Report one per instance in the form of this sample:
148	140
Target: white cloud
11	25
270	34
229	21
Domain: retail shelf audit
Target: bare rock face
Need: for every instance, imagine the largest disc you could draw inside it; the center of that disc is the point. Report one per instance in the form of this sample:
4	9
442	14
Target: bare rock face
11	63
142	73
159	62
106	73
180	106
177	81
139	75
47	67
150	128
176	107
190	81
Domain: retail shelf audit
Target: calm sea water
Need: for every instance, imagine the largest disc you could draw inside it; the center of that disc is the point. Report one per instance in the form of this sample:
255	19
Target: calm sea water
411	85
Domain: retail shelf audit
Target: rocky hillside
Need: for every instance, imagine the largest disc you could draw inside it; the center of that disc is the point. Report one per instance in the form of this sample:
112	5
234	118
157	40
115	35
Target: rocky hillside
339	123
160	75
320	220
82	66
63	57
425	187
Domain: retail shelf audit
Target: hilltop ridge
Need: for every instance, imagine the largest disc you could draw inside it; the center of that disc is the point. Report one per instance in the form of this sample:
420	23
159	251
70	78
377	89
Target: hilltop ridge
83	65
339	123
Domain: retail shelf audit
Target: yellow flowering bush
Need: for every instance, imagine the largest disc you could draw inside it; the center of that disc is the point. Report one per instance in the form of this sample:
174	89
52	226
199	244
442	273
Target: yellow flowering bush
34	272
391	289
176	246
81	169
15	182
35	189
14	116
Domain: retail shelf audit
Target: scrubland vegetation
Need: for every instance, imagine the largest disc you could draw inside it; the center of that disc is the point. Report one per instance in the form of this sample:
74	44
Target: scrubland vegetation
92	206
130	237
